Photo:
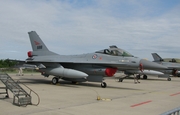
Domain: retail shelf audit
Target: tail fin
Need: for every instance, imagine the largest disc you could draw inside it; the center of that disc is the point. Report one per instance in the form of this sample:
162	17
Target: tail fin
38	46
156	57
36	42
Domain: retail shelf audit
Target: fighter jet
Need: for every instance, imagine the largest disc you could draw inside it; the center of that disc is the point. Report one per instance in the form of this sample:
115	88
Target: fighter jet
172	66
91	67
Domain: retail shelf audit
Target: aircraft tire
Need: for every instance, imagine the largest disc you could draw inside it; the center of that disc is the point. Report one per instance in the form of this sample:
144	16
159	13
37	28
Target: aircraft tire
120	80
103	84
169	79
144	76
55	80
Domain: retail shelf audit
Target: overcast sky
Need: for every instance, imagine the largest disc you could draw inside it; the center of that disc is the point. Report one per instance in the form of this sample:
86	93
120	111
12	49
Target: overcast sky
67	27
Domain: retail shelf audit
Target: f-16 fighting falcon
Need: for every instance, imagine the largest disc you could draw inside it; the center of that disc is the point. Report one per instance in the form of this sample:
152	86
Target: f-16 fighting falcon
173	66
172	69
91	67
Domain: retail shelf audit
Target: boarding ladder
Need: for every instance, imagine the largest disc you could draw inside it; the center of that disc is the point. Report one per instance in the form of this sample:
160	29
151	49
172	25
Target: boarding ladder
20	96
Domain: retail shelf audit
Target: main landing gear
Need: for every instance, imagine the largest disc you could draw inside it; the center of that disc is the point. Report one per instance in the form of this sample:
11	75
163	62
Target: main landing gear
169	79
103	84
144	76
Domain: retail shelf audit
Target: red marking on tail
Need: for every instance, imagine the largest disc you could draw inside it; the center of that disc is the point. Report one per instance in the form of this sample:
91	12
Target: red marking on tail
36	43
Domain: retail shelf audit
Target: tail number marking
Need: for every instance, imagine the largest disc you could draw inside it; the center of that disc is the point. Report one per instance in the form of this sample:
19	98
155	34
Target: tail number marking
39	47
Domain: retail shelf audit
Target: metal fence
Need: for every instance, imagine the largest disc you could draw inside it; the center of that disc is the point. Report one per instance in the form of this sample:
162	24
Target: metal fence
175	111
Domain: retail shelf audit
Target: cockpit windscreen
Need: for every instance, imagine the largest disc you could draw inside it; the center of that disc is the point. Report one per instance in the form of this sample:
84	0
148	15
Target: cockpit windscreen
115	52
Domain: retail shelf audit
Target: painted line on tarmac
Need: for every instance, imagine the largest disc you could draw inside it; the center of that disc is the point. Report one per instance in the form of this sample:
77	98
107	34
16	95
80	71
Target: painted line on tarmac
175	94
141	103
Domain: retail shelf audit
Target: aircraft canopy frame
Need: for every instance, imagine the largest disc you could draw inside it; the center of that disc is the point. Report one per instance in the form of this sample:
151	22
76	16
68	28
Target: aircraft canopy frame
115	51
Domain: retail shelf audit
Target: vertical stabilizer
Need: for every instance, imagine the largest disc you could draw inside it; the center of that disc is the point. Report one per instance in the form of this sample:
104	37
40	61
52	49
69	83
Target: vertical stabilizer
156	57
38	46
36	42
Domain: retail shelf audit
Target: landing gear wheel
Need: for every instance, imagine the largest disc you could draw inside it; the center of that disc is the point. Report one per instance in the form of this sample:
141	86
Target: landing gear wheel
169	79
7	96
120	80
55	80
144	76
103	84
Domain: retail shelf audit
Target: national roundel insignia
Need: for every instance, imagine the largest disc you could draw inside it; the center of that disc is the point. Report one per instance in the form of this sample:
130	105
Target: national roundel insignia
94	56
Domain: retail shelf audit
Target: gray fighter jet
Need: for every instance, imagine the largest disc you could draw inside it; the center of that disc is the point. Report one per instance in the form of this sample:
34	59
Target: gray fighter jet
91	67
173	67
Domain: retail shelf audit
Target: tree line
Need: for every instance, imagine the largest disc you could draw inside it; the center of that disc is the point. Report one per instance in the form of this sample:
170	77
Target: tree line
6	63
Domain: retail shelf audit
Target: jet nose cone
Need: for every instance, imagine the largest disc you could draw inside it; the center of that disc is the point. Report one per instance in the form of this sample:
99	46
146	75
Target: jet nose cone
151	65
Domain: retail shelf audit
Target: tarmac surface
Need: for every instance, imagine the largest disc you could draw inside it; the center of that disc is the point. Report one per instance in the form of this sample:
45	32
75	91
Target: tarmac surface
150	97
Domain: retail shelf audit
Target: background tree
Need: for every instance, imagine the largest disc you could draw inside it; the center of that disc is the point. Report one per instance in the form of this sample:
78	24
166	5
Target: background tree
7	63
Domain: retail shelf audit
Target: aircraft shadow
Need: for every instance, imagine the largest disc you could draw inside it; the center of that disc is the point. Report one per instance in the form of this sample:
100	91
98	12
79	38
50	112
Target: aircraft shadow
88	84
69	84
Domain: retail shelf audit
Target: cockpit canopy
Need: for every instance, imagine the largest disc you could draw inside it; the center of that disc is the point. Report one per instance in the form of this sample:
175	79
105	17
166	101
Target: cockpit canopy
115	51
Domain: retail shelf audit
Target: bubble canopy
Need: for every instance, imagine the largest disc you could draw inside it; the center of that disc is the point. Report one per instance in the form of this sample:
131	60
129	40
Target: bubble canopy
115	51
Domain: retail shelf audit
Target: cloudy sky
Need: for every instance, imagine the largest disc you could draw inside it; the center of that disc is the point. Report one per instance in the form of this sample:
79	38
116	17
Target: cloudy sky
67	27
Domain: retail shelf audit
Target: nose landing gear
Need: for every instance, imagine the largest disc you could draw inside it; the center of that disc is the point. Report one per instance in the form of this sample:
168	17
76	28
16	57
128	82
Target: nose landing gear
55	80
